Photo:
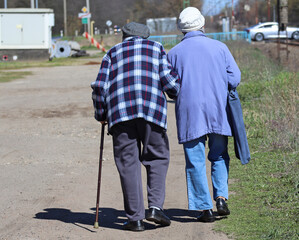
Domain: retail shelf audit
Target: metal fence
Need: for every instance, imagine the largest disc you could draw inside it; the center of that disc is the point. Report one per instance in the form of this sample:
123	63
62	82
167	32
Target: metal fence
221	36
230	36
167	39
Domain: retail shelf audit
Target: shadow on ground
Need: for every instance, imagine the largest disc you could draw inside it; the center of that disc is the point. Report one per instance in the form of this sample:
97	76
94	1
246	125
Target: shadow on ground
184	215
108	217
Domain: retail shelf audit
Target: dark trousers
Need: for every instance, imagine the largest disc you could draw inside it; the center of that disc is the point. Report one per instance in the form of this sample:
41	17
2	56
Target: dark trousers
134	142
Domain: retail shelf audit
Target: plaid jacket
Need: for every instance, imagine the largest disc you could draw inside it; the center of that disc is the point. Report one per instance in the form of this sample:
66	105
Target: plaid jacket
131	83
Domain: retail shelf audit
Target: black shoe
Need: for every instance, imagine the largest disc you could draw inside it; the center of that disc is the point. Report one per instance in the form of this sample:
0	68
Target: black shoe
206	216
222	207
157	216
134	225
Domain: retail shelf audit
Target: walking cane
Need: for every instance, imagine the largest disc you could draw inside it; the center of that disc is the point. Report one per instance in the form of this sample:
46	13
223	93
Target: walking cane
96	224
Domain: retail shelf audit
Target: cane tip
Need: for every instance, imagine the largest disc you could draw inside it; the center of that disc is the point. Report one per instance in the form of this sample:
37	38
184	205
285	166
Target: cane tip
96	225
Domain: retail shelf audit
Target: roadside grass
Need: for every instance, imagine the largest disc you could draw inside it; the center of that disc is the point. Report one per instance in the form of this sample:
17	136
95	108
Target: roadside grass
86	45
92	47
9	76
29	64
265	201
69	61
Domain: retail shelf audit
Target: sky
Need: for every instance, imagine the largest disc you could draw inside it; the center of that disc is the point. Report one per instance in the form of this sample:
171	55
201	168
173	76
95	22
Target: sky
212	7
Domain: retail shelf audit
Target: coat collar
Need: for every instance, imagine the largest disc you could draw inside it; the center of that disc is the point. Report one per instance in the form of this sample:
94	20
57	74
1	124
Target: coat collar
193	34
131	38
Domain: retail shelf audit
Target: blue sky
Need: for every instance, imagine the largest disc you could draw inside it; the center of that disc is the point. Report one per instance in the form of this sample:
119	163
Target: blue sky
212	7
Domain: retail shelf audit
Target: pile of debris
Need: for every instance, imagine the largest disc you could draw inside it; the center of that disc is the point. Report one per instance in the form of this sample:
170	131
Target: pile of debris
63	49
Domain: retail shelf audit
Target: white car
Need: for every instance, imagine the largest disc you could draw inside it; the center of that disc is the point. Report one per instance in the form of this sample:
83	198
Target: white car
269	30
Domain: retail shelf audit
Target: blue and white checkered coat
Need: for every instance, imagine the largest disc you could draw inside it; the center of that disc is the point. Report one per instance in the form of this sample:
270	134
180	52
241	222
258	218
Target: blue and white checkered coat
131	83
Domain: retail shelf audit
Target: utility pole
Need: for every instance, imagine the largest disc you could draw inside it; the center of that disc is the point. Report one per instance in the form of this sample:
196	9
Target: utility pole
282	16
65	17
233	14
88	23
269	10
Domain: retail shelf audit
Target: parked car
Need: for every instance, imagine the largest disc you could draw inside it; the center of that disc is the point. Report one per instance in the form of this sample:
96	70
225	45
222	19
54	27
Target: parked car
269	30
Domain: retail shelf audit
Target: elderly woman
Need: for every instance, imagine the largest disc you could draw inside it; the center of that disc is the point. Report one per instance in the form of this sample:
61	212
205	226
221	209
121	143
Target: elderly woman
207	70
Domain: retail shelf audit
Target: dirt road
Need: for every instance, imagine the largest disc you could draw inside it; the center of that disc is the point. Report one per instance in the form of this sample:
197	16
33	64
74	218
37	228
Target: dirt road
49	148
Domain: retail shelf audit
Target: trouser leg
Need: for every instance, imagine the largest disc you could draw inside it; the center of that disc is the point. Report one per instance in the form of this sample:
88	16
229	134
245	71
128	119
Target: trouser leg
197	183
219	158
126	149
155	158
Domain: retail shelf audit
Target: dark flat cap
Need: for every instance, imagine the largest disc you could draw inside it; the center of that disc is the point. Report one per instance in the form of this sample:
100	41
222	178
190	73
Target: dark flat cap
136	29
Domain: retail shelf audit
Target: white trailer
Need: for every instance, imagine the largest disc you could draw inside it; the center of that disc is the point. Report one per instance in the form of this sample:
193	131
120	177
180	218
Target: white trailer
25	33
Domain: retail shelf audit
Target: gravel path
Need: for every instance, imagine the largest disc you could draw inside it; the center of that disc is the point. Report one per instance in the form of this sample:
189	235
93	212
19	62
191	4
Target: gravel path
49	148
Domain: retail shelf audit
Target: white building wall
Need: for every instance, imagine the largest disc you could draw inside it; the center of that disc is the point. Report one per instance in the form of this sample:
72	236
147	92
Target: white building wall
26	28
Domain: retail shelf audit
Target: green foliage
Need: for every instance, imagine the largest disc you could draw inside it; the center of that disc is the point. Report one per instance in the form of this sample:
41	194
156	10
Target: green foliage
265	203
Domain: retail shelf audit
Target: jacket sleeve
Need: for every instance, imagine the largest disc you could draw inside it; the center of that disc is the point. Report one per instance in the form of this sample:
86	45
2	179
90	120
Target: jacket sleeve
169	78
238	127
233	71
99	88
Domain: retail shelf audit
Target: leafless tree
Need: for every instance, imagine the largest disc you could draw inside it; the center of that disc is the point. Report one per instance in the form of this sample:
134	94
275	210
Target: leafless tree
122	11
144	9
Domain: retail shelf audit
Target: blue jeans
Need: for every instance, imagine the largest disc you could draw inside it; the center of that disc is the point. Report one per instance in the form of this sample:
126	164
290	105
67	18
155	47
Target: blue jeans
197	183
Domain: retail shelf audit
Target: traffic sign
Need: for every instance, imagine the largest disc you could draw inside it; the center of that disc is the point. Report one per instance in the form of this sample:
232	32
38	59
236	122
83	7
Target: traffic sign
109	23
84	9
84	20
84	15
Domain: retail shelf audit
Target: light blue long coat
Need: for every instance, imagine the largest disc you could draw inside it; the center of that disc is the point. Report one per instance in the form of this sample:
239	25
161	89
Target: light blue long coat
207	69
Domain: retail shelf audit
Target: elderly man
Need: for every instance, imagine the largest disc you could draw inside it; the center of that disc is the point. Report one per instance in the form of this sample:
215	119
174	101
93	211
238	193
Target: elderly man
129	95
207	70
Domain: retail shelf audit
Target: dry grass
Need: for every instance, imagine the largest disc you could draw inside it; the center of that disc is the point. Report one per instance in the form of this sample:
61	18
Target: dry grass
10	75
265	205
290	61
281	104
